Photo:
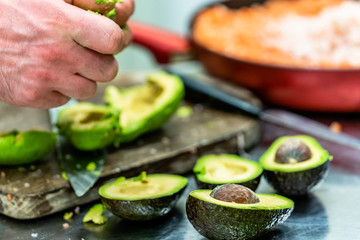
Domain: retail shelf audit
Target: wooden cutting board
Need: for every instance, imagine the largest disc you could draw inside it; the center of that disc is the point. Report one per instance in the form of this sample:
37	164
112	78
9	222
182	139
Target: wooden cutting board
36	190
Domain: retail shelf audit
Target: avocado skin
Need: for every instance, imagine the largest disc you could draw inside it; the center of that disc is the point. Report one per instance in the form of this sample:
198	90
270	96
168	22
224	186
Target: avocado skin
91	140
252	184
297	184
18	148
142	210
225	223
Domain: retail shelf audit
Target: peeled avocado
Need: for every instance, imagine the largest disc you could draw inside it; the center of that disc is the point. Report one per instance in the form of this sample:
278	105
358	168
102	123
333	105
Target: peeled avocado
18	148
294	165
217	219
143	198
89	126
212	170
146	107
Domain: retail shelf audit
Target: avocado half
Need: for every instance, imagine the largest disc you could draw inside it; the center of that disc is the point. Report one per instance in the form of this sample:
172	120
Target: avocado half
294	165
25	147
88	126
217	219
143	198
213	170
145	107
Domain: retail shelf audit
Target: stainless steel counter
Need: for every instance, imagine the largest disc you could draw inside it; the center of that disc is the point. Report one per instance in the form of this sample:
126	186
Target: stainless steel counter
331	212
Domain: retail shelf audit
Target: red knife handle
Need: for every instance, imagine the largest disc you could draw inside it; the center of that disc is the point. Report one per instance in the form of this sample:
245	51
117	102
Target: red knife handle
162	43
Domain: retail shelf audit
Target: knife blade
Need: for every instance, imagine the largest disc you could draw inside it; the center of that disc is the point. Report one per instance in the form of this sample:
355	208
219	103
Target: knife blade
82	168
275	116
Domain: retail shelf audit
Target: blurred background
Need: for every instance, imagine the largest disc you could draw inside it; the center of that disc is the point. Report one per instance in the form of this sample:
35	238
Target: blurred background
172	15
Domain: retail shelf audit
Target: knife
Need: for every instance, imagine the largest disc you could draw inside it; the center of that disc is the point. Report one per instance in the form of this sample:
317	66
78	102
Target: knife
82	168
274	116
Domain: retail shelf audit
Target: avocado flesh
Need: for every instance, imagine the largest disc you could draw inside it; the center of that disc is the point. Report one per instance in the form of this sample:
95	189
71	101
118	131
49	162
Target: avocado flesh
138	200
18	148
213	170
89	126
296	178
155	186
146	107
217	219
95	214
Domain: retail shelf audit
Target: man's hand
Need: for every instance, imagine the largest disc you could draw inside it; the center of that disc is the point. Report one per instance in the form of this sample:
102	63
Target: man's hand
51	51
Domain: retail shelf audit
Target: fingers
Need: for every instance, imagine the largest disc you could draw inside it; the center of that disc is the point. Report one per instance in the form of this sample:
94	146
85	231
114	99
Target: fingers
54	99
127	38
44	87
44	100
77	87
97	32
100	33
99	38
95	66
51	91
123	11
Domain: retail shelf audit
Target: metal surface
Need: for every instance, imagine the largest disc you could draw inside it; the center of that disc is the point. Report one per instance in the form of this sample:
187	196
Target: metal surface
330	213
75	163
275	116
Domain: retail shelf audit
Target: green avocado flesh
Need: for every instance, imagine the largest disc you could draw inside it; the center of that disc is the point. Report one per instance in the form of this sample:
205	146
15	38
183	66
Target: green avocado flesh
25	147
95	214
213	170
296	178
89	126
216	219
143	198
146	107
109	11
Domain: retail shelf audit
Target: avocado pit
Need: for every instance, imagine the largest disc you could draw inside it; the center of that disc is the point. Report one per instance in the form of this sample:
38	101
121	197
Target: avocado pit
292	151
234	193
294	165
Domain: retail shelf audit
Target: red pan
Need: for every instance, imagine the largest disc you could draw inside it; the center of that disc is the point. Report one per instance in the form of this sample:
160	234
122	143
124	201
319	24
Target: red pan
322	90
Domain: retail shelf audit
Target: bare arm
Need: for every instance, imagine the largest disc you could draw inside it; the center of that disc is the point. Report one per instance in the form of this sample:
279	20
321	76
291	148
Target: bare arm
51	50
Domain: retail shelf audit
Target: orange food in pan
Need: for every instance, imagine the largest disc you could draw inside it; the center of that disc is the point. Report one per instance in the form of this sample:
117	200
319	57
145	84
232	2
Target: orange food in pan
247	34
